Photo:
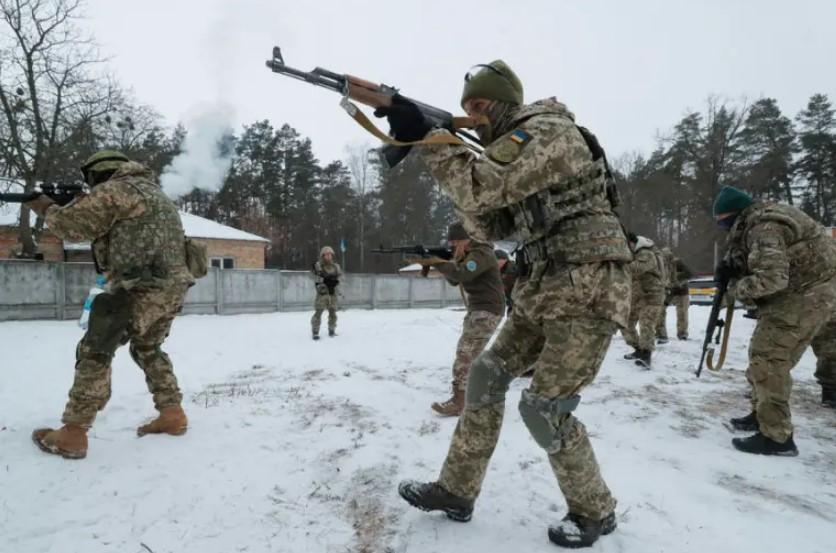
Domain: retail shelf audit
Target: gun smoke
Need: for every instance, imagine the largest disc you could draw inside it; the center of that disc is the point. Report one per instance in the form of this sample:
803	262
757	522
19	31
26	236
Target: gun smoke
206	154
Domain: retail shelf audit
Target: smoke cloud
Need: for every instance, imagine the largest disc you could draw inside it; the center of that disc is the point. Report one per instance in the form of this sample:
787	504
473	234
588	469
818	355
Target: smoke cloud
206	154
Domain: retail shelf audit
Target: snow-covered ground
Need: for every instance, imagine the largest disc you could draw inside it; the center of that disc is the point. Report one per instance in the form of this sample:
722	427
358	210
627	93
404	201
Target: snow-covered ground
298	446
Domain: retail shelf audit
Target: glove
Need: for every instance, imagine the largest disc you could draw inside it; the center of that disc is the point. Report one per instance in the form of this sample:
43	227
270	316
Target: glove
724	271
406	122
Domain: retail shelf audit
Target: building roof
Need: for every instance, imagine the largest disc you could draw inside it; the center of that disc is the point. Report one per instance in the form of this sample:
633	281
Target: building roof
193	225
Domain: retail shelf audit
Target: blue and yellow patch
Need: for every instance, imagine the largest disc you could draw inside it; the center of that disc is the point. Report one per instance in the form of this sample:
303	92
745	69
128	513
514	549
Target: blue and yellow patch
470	265
520	136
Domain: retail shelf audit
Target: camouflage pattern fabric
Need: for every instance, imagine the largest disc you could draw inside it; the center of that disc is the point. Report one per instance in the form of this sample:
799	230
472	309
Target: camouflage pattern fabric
561	327
787	264
646	316
682	303
786	326
322	303
477	329
148	317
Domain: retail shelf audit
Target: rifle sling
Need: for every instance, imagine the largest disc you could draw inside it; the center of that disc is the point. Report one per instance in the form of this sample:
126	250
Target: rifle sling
366	123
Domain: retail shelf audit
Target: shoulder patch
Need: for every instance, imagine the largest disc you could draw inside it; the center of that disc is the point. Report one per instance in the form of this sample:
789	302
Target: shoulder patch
470	265
508	148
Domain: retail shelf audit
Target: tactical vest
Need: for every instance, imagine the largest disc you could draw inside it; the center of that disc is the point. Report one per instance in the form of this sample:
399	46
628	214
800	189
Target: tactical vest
568	221
653	282
146	251
811	252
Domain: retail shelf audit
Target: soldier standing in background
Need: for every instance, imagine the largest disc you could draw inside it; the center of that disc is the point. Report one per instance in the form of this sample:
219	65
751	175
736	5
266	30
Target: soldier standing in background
474	267
327	274
785	263
678	295
541	179
139	245
647	302
508	273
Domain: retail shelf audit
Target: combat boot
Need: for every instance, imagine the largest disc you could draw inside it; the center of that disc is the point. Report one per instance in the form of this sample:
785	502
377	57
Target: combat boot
69	441
576	531
643	358
171	420
332	332
662	341
633	355
683	336
828	398
453	407
430	496
316	335
763	445
749	423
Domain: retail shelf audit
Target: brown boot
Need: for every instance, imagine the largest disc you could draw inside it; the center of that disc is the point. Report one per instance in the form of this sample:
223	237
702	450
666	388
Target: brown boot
453	407
172	420
69	441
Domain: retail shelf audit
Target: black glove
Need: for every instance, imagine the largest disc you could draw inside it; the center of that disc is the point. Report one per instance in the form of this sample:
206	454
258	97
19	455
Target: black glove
724	271
406	122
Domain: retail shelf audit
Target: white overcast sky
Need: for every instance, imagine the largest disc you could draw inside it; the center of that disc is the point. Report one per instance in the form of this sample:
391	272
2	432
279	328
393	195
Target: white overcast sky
629	69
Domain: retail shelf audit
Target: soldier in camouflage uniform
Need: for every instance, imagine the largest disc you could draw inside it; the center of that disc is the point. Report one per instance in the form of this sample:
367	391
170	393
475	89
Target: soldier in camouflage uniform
677	295
139	245
647	302
542	180
327	275
473	267
785	263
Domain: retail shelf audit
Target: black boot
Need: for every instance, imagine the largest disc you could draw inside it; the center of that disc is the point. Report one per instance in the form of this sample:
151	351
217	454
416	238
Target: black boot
316	336
762	445
828	398
575	531
643	358
430	496
662	341
632	355
682	336
749	423
332	332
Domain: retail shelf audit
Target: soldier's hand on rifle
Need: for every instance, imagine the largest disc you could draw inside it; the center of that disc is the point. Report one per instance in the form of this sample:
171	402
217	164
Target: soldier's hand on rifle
406	122
40	204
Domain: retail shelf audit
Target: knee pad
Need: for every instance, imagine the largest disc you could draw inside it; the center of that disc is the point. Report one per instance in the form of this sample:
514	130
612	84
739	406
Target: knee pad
488	380
545	420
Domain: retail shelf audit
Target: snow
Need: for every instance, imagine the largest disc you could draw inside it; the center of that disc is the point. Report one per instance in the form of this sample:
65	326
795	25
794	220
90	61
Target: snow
298	446
199	227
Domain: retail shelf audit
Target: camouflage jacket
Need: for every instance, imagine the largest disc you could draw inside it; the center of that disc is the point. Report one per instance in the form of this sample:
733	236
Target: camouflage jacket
536	184
136	233
478	273
778	248
648	270
682	276
326	277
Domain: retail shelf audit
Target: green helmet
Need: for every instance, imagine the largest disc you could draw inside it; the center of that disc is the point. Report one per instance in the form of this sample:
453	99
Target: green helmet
494	81
104	160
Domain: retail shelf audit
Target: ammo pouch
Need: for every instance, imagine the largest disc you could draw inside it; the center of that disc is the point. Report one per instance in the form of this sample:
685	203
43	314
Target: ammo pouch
196	258
110	317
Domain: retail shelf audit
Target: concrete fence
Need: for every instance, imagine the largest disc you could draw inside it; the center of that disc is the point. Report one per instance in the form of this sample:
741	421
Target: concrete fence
37	290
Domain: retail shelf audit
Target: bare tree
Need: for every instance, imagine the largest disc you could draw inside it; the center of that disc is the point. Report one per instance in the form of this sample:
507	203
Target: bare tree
363	178
49	92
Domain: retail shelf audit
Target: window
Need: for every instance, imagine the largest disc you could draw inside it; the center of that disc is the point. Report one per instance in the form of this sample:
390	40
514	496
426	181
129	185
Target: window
223	262
229	263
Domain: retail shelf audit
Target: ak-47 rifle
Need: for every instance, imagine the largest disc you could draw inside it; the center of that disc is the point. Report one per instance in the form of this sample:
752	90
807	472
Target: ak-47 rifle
419	251
62	194
715	323
377	96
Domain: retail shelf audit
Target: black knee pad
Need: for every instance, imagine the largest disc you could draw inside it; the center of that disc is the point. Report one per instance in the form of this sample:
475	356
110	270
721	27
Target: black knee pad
545	418
109	320
487	381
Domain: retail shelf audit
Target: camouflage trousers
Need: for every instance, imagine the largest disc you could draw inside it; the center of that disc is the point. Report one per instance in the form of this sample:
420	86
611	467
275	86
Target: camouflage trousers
682	302
646	313
323	302
477	329
561	327
142	318
787	325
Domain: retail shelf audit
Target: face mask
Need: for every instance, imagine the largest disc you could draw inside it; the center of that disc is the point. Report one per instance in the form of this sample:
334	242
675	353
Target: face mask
727	223
500	115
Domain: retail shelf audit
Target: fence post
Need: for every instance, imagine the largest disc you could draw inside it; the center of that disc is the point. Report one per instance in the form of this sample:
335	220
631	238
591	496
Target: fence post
279	293
374	291
411	292
219	292
443	284
60	292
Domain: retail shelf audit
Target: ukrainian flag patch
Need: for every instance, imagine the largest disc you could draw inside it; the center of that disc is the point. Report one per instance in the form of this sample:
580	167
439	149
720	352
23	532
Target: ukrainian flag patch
520	136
